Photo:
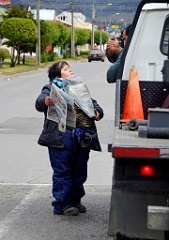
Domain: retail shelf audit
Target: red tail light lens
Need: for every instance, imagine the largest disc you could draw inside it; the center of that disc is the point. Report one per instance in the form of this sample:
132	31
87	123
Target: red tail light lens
147	170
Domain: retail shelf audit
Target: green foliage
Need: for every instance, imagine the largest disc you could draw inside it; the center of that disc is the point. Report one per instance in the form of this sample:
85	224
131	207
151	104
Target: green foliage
48	57
19	12
4	54
45	36
105	37
82	36
68	42
97	33
53	33
49	33
51	56
16	12
64	36
83	53
97	37
18	31
67	55
44	58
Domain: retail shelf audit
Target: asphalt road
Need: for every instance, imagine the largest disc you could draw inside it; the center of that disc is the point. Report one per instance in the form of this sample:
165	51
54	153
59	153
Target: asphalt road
25	173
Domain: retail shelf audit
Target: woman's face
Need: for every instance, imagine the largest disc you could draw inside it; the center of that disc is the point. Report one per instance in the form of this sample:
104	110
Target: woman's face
66	72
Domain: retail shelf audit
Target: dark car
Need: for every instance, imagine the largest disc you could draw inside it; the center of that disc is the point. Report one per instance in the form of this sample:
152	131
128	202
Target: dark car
96	55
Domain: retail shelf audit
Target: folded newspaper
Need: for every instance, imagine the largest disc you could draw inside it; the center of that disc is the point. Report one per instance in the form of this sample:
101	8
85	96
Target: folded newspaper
74	91
77	89
62	111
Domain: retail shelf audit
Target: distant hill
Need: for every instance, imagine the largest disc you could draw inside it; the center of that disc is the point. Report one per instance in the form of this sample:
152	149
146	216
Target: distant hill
103	12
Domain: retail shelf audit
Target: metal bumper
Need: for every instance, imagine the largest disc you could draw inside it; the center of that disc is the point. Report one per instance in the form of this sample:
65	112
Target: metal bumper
158	218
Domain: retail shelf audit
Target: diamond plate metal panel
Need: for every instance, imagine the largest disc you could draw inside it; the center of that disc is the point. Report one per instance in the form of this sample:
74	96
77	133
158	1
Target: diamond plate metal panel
153	94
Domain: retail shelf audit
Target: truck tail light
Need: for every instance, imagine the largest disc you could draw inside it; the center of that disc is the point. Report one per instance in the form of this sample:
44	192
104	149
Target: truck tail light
147	170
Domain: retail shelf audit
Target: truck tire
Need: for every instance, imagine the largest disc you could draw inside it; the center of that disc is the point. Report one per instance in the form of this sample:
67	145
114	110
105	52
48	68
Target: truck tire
121	237
166	234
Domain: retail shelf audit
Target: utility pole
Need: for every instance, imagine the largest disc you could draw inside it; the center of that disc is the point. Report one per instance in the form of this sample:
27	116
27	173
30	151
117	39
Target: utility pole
92	35
101	26
38	47
72	31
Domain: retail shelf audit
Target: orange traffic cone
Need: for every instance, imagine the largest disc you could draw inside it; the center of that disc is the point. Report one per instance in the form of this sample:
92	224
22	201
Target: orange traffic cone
133	107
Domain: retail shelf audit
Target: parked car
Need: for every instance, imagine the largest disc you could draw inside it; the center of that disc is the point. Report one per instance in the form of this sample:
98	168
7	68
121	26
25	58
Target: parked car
96	55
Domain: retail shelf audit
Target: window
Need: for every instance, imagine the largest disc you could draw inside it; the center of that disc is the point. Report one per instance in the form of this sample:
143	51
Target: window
164	46
62	18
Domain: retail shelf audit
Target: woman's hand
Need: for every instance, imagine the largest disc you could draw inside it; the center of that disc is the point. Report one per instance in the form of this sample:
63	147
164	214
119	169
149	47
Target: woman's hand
49	101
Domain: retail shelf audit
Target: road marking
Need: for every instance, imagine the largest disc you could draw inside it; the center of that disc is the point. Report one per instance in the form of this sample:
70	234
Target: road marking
26	184
8	221
46	184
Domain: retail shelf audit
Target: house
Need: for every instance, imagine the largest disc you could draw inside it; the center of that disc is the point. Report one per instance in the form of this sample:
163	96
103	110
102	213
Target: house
45	14
79	20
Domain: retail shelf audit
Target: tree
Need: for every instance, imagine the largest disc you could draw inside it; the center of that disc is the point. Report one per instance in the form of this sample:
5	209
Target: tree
46	38
18	31
64	35
105	37
4	53
19	12
53	33
82	36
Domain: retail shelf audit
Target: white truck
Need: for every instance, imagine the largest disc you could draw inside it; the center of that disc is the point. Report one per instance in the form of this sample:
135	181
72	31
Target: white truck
139	206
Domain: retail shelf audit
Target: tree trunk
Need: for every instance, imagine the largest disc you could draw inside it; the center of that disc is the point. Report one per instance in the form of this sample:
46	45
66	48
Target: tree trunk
13	57
12	64
23	59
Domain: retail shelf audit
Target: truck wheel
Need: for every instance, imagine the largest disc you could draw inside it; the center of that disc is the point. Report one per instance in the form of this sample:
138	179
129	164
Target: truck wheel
166	234
121	237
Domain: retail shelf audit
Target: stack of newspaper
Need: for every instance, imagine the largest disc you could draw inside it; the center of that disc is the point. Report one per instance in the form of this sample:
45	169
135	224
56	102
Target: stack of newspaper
74	91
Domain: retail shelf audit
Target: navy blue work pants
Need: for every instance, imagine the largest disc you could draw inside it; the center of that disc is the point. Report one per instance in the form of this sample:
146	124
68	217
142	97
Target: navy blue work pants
69	166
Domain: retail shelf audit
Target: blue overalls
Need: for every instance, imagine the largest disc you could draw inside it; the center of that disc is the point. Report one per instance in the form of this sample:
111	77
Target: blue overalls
69	173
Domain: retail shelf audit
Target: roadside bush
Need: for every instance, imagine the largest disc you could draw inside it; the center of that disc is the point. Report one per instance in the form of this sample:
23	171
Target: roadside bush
66	55
30	60
4	54
44	58
82	52
51	56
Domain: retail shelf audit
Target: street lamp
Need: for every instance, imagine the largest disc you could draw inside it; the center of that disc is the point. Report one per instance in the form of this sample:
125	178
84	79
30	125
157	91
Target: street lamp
93	22
110	25
101	27
117	13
